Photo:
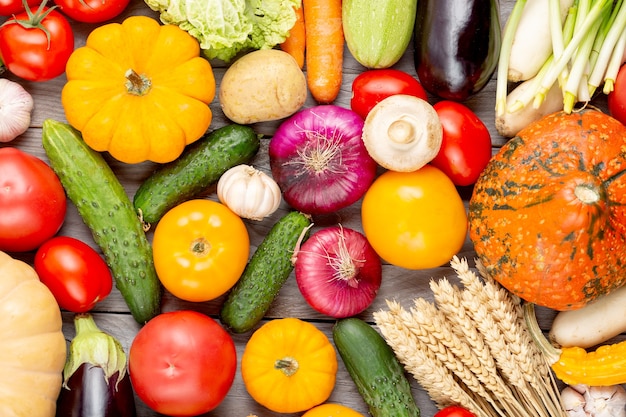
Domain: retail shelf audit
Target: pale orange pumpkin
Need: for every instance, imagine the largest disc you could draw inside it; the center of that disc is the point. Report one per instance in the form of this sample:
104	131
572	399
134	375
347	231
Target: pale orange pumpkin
289	366
32	346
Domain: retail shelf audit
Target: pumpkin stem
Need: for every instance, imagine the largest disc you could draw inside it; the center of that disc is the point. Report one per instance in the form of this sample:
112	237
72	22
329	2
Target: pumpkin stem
287	365
586	193
136	84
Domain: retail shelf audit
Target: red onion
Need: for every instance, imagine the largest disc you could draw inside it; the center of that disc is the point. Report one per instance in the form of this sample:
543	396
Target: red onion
319	160
338	272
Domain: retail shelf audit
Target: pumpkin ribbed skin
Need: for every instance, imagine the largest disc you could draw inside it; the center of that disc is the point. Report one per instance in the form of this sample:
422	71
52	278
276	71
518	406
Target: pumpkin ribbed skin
547	217
32	345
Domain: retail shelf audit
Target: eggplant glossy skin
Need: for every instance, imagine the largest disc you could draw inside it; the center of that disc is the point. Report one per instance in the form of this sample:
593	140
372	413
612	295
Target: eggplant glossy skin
89	394
457	45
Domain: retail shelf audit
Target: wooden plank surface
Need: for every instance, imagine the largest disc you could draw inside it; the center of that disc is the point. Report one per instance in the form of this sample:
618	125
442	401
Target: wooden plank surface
398	284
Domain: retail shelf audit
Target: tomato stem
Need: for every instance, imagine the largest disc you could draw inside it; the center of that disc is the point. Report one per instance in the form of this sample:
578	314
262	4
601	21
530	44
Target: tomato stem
200	247
136	84
34	19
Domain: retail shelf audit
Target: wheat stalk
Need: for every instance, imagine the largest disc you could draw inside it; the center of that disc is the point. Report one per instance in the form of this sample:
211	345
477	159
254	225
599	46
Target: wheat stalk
471	347
432	375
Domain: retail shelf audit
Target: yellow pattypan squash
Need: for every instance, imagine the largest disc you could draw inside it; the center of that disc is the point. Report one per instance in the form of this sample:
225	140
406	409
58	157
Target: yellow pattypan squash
32	345
139	90
289	366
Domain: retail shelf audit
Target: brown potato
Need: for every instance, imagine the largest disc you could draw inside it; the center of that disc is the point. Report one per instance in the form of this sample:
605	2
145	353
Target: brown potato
261	86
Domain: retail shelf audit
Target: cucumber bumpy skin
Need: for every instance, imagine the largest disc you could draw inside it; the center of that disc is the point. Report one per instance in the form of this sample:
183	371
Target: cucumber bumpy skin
200	165
374	368
266	272
105	208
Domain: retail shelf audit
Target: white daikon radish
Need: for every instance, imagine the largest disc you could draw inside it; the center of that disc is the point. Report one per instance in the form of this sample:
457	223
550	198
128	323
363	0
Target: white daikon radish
532	44
520	110
592	324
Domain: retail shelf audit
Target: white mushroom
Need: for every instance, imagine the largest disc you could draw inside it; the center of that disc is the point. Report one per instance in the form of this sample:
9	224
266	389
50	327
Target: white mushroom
402	133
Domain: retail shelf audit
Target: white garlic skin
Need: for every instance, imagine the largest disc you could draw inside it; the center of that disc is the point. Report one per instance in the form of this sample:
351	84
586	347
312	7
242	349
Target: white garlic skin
586	401
16	106
248	192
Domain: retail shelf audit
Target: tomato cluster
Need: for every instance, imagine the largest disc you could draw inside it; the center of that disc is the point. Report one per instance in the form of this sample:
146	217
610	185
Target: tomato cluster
36	42
417	220
466	146
33	206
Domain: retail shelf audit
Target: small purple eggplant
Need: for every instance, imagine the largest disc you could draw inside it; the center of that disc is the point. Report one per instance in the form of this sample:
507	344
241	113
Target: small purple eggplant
457	46
96	381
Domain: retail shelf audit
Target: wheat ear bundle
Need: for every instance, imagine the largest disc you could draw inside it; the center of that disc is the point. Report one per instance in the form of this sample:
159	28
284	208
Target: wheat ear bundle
471	347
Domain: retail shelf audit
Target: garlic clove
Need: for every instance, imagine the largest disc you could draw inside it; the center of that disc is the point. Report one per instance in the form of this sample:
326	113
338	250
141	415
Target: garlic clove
584	401
573	402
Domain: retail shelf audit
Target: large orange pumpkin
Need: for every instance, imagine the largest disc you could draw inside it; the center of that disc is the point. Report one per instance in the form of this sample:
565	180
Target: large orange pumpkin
32	345
548	215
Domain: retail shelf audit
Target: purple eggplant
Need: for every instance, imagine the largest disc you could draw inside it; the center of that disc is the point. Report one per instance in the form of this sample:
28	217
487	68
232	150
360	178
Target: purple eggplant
457	45
96	381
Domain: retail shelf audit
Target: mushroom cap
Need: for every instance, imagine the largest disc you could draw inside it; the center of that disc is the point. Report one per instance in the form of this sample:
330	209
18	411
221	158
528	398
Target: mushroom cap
402	133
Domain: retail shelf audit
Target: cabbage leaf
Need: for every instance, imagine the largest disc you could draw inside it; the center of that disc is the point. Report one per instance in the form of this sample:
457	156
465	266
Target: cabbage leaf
224	28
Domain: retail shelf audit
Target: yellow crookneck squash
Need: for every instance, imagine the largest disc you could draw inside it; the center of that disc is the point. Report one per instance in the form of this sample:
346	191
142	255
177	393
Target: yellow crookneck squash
139	90
32	346
289	366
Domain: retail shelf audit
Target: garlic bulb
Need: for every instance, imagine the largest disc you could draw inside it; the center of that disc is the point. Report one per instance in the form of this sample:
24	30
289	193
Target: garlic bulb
585	401
16	105
250	193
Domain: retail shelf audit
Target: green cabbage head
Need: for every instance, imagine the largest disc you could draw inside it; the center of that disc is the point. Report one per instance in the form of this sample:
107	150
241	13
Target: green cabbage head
226	27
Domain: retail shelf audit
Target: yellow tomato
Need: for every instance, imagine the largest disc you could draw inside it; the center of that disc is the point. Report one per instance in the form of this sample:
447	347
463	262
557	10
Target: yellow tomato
332	410
414	220
200	249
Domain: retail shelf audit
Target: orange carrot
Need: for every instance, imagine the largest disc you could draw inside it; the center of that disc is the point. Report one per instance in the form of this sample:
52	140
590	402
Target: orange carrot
324	48
294	44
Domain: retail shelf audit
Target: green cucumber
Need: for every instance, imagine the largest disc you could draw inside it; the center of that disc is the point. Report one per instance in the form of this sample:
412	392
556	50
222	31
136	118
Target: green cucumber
106	209
200	165
266	272
374	368
378	32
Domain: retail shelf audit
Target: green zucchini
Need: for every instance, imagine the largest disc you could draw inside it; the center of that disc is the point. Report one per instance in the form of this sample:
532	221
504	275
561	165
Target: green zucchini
266	272
106	209
200	165
378	32
374	368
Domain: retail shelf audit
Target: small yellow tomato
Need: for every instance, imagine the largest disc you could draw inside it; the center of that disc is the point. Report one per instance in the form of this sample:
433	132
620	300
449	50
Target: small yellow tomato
200	249
414	220
332	410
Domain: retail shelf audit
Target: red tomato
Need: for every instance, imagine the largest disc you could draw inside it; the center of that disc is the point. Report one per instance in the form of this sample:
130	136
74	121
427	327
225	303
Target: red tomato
74	272
371	86
454	411
32	201
11	7
29	52
92	11
617	97
182	363
466	146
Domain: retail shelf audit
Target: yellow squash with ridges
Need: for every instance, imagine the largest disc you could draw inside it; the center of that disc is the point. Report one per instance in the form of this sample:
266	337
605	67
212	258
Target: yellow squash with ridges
139	90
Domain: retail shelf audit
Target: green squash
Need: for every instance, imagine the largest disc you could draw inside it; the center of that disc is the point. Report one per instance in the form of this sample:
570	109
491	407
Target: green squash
378	32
